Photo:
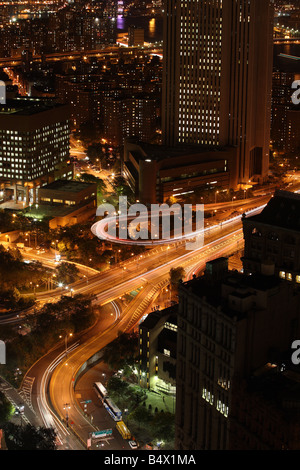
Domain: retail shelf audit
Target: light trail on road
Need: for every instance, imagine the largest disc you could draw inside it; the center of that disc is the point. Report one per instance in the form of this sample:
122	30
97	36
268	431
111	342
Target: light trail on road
59	387
99	230
48	416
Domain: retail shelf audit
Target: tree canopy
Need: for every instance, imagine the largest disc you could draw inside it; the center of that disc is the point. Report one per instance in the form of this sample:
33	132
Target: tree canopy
29	437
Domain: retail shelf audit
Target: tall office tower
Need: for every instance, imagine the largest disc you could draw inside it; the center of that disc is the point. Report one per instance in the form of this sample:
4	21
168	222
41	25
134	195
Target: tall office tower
217	78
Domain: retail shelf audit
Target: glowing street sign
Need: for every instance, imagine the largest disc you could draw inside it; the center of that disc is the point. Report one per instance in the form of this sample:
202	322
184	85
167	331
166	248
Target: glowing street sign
99	434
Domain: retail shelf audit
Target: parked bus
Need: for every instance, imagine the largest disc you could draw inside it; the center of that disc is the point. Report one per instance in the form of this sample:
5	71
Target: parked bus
100	390
113	410
123	430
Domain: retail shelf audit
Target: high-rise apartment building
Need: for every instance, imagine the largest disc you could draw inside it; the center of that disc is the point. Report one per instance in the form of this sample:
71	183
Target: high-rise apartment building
217	78
136	36
128	116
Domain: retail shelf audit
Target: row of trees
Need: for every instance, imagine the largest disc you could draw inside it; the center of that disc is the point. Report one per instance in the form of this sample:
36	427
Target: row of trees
15	276
23	437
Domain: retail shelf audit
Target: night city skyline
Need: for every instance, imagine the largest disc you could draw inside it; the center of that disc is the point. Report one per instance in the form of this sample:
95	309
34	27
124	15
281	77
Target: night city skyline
149	227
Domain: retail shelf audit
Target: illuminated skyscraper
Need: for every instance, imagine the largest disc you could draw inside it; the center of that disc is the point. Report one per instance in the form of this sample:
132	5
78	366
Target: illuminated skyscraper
217	78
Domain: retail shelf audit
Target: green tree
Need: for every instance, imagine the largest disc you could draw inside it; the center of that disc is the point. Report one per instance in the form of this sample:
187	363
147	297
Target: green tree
29	437
176	275
117	386
163	426
94	151
6	409
67	273
142	416
122	351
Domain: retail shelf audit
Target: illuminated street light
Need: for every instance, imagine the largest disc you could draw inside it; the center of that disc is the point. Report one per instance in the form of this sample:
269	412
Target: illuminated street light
66	341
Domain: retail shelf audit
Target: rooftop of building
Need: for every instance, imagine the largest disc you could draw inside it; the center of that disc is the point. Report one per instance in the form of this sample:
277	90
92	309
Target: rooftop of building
44	211
210	287
278	384
162	152
68	186
154	317
27	106
283	210
204	287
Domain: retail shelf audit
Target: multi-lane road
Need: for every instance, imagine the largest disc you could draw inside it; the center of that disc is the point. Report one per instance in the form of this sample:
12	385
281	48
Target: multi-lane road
148	273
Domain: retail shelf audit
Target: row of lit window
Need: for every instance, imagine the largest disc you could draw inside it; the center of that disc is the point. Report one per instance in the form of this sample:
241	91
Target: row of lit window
289	276
220	406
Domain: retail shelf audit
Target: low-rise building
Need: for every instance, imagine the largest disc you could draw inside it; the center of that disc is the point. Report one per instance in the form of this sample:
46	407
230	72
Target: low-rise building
66	203
157	173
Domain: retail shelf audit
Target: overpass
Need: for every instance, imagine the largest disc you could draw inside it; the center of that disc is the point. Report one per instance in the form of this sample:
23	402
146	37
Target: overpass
75	55
287	40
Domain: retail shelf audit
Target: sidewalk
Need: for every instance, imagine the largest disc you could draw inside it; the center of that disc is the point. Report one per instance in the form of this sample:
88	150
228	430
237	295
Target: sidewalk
159	400
28	416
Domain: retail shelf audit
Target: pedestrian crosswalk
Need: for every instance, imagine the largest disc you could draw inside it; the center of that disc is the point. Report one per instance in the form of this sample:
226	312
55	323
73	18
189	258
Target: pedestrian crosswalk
26	390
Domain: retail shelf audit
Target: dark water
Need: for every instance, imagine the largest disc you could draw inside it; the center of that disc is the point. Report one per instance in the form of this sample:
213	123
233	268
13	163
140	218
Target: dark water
287	64
153	27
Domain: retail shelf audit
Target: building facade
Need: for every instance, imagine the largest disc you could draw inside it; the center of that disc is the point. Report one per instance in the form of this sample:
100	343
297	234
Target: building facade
158	340
231	327
217	78
285	122
136	36
158	173
272	238
34	137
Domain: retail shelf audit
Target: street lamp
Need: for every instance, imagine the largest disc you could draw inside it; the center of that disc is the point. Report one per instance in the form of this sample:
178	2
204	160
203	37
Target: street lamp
55	247
66	342
34	291
28	235
126	415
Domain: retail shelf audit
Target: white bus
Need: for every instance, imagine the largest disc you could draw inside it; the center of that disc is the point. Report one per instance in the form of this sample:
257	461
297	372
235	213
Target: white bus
100	390
113	410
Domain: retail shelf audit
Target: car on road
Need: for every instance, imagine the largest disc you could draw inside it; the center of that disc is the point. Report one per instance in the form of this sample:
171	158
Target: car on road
133	444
